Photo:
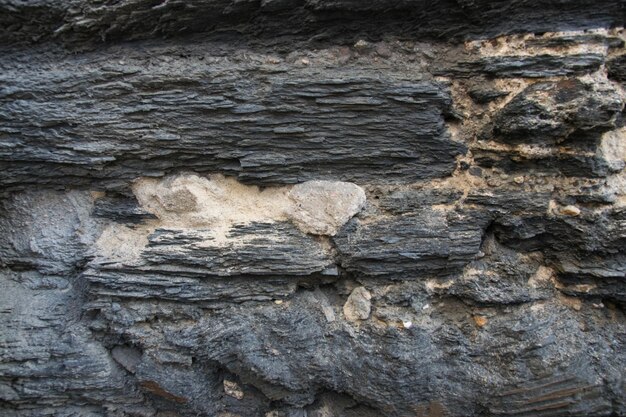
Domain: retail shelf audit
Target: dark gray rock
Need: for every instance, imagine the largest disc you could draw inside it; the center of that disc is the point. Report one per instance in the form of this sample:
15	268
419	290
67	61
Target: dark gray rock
482	273
259	346
547	161
86	20
558	112
405	247
616	68
486	95
283	248
412	200
109	121
501	276
121	209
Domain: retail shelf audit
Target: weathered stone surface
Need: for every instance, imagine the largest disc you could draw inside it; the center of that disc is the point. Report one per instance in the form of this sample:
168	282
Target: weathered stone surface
82	20
323	207
150	114
312	207
539	66
431	242
559	112
358	305
548	161
415	199
277	244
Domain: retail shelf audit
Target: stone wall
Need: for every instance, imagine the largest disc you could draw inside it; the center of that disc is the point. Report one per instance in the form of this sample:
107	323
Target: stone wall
319	208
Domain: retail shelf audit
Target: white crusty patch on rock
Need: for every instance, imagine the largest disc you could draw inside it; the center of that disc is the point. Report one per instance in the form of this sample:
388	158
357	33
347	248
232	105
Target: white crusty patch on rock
192	200
189	200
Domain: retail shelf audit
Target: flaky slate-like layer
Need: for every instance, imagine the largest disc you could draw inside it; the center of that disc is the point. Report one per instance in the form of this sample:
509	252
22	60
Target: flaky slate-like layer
91	20
120	117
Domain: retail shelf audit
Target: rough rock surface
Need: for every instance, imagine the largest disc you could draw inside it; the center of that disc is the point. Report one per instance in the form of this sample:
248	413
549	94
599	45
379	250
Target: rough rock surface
312	208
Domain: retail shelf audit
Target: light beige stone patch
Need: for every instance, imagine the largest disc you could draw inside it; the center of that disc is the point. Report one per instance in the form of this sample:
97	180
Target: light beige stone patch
613	148
359	305
232	389
120	243
192	200
322	207
218	202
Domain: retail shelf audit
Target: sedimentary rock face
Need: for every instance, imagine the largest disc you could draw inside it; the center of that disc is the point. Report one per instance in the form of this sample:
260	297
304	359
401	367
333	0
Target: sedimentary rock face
312	207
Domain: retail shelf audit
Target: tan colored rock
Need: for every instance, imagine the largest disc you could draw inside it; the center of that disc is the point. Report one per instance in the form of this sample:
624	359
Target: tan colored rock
359	305
232	389
480	321
570	211
323	207
189	200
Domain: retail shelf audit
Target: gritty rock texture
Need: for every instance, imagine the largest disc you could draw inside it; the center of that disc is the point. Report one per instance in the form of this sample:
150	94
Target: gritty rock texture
358	305
323	207
312	208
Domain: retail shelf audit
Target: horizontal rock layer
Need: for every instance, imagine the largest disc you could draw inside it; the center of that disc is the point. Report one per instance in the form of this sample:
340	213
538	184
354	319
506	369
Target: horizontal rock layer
88	20
278	124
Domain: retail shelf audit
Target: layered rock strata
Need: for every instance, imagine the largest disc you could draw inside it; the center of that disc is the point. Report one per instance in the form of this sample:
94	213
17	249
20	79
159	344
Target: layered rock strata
312	208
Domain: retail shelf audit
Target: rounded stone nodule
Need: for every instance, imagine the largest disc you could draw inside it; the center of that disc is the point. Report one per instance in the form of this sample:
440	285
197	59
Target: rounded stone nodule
323	207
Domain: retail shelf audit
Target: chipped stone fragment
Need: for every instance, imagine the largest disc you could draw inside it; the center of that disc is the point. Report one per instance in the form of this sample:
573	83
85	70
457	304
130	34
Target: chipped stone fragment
322	207
127	356
480	321
570	211
359	305
232	389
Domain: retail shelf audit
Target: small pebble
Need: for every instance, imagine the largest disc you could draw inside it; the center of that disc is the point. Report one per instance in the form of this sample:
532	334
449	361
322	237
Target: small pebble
359	305
233	389
570	211
519	180
407	324
476	172
361	45
383	50
480	320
